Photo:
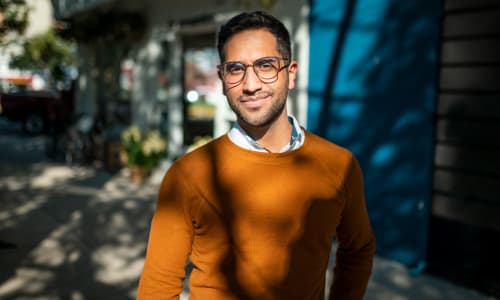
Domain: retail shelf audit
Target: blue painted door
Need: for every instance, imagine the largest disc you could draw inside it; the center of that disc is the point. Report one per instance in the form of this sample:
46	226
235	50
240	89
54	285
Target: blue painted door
372	89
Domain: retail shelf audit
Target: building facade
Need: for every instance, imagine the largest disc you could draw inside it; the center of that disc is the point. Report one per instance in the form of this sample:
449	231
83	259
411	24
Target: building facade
167	74
410	87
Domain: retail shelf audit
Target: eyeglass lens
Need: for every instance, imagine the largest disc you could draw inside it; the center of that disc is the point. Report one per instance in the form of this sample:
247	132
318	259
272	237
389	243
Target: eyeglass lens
266	68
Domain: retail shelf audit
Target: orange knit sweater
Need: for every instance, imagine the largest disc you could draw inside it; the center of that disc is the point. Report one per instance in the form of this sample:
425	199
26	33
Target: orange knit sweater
259	225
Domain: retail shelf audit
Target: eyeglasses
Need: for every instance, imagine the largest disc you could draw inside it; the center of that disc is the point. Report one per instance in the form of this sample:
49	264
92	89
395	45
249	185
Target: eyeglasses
266	69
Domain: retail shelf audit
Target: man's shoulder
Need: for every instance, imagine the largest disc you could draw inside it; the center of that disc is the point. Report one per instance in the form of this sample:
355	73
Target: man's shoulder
327	148
201	156
336	159
197	167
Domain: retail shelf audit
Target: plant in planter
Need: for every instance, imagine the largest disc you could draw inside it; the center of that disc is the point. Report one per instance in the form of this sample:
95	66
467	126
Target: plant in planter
142	151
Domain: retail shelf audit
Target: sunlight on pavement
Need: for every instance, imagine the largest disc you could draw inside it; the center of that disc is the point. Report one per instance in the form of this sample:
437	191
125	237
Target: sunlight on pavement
392	280
8	216
184	296
81	190
29	280
122	187
12	183
118	264
398	279
55	175
29	206
94	233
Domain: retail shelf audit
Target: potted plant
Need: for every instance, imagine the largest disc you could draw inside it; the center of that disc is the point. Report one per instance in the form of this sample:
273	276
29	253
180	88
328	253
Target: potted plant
142	151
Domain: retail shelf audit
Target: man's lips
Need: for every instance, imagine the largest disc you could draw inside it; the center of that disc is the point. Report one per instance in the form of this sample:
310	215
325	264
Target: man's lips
254	101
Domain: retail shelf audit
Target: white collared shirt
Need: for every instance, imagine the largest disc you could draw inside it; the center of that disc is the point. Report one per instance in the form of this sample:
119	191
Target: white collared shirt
242	139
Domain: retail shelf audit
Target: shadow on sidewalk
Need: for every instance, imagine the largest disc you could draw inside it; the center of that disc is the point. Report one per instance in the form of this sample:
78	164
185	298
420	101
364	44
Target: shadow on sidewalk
71	232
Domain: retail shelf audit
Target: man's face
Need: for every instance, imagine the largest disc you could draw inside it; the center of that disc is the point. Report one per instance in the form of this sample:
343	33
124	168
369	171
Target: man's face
257	103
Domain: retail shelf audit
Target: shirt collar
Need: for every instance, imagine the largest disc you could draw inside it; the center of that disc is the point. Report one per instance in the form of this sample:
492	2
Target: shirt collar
239	137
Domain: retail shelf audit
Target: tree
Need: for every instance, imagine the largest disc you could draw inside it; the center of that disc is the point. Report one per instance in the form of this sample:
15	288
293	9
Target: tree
46	51
13	19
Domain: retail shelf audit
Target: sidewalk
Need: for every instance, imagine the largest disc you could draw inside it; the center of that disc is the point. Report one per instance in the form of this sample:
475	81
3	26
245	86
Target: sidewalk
80	233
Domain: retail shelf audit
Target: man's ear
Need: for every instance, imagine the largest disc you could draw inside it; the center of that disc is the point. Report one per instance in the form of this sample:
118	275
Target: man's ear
292	74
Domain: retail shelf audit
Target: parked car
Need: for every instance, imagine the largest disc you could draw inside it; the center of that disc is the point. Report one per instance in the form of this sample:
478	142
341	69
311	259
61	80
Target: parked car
37	110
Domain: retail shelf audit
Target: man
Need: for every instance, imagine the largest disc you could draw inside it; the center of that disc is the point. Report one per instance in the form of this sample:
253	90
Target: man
256	210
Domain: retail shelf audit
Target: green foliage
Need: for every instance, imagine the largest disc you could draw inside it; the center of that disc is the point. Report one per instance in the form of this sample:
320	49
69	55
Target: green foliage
13	19
46	51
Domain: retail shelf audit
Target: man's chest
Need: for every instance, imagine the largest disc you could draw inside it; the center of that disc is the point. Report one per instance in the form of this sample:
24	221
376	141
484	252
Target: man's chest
272	203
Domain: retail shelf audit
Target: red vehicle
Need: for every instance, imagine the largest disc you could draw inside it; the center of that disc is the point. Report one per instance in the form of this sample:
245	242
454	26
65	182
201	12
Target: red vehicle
37	110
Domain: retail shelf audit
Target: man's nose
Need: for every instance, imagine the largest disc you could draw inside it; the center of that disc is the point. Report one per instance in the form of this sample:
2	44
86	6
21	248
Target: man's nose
251	82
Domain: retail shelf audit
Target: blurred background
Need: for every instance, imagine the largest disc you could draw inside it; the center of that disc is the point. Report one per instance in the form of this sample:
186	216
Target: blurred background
97	97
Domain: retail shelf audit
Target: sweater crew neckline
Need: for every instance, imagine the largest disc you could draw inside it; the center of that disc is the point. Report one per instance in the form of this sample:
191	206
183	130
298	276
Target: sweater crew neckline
263	157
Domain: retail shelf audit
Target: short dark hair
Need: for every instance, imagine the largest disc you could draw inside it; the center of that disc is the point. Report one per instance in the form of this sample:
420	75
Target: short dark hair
255	20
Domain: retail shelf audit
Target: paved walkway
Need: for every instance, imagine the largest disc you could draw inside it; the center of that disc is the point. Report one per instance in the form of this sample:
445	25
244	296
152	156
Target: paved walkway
80	233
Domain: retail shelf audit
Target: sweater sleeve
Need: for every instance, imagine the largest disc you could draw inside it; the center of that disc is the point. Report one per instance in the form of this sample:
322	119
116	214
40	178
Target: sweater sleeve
356	243
170	240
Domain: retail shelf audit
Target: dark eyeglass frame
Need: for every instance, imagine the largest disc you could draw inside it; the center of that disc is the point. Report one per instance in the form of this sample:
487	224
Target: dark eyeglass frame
244	67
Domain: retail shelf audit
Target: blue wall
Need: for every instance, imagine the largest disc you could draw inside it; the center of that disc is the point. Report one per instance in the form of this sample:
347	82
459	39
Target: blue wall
372	89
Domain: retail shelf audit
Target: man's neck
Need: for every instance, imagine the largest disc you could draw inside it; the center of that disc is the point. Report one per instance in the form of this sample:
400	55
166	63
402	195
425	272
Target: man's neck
272	137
